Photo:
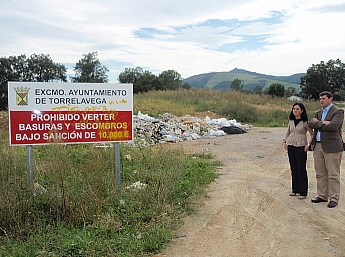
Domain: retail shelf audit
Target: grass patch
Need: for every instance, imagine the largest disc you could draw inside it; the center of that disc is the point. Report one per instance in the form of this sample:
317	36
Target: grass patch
258	110
75	208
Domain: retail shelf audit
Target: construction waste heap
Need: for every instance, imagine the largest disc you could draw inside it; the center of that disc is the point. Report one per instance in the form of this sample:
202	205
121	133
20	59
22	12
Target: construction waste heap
170	128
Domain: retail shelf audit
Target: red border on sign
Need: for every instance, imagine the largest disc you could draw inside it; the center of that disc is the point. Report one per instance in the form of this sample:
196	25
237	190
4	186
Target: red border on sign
44	127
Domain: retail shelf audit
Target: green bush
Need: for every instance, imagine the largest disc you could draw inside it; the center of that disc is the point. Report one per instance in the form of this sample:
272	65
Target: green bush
239	111
273	118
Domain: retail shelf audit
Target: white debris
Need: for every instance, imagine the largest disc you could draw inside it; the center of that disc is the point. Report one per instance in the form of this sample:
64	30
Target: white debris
217	133
145	117
136	185
39	189
170	128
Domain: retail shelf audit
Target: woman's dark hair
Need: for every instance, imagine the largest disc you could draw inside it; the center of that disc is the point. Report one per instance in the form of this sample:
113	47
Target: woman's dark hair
304	115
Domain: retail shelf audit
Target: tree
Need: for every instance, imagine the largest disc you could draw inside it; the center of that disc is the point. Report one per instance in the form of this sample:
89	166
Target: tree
90	70
258	90
43	69
6	71
276	89
170	80
19	65
290	91
342	94
237	85
36	68
143	81
328	76
186	86
6	74
130	75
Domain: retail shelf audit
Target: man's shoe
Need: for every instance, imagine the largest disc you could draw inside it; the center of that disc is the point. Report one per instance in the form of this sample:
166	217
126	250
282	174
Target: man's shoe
292	194
332	204
302	197
317	200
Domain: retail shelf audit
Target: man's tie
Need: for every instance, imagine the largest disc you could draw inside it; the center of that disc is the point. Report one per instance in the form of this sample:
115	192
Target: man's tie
324	113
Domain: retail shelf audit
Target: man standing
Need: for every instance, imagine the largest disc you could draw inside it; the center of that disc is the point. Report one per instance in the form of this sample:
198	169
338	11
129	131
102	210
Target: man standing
327	145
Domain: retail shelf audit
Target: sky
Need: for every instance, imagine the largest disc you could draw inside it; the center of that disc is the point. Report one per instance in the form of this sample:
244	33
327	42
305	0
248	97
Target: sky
192	37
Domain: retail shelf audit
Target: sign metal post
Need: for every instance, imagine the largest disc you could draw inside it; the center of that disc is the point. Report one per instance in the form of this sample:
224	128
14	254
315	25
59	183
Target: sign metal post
117	167
30	166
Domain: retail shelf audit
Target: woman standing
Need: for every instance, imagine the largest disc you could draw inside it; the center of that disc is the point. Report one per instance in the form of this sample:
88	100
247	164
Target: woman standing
297	146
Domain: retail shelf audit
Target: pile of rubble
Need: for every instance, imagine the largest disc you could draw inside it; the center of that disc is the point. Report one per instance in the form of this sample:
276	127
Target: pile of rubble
170	128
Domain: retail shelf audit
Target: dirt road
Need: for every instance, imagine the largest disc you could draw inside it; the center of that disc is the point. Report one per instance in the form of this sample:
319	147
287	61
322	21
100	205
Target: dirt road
248	211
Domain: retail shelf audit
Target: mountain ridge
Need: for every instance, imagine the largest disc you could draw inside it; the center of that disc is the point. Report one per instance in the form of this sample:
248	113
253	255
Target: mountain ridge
222	80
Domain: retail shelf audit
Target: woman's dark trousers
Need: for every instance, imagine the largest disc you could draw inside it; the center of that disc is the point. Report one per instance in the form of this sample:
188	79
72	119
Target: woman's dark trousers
298	166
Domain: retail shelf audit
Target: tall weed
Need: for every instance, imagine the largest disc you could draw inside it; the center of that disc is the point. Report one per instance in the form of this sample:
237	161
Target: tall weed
240	111
75	208
259	110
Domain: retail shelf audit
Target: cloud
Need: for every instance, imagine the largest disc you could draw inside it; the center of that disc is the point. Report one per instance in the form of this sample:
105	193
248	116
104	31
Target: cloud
191	37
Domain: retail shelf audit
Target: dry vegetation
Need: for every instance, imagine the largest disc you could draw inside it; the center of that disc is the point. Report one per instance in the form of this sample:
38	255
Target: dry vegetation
263	110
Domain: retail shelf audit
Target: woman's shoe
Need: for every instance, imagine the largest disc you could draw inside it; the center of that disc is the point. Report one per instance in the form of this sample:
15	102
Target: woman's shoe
292	194
302	197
